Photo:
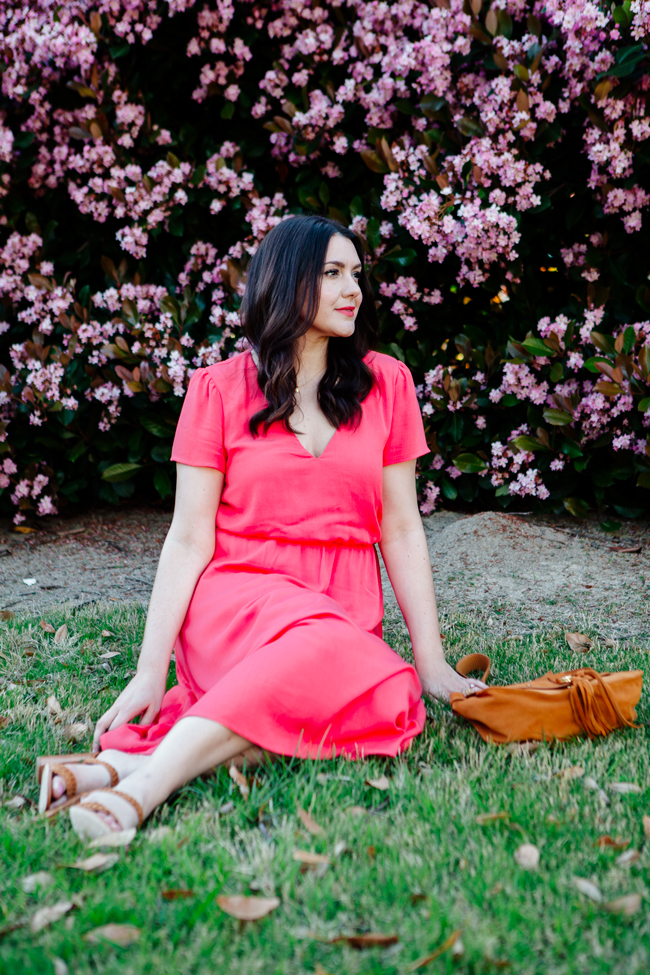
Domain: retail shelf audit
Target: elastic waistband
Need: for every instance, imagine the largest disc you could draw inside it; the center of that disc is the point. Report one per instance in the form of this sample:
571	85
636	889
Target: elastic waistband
316	542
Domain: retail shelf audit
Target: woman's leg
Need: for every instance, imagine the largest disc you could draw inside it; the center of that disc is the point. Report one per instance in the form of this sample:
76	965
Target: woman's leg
193	746
96	776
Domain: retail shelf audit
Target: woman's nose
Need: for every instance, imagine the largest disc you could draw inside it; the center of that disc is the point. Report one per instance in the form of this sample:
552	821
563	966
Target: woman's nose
351	286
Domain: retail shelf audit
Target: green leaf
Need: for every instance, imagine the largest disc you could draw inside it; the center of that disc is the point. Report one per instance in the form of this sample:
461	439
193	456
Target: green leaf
556	373
629	339
626	512
161	452
528	443
502	490
590	364
170	305
228	110
557	418
644	405
356	207
610	526
576	507
470	128
155	427
373	161
324	193
119	50
396	351
469	463
643	480
373	235
537	347
448	489
402	257
456	425
161	482
120	472
130	312
197	175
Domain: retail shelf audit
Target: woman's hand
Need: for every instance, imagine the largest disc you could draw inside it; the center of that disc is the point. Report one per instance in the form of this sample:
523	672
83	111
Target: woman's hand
142	695
441	683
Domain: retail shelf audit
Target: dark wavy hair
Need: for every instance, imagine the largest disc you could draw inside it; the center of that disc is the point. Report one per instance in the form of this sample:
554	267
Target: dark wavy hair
280	303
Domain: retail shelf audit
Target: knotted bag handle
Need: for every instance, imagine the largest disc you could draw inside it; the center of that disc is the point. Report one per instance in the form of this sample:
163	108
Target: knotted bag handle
474	661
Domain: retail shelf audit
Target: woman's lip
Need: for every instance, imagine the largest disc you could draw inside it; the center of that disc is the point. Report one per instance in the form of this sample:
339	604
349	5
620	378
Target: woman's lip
347	311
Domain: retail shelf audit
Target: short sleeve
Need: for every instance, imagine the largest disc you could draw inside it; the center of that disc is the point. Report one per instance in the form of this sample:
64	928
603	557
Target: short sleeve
406	439
199	434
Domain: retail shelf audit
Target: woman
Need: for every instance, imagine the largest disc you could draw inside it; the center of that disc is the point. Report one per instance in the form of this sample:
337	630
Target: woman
303	452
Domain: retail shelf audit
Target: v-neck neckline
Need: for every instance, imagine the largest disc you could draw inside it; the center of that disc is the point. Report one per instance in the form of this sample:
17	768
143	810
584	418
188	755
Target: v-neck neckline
292	433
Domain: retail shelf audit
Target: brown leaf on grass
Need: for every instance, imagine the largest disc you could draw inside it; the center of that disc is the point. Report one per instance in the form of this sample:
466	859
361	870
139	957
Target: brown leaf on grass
492	817
578	642
109	654
319	970
247	908
75	732
625	548
174	894
527	856
625	788
617	844
646	827
573	772
61	634
588	889
106	633
522	747
159	834
356	810
121	838
628	905
53	707
440	950
373	939
4	721
371	851
382	783
306	856
417	896
48	915
7	614
240	780
629	856
33	881
17	802
117	934
47	626
96	863
310	824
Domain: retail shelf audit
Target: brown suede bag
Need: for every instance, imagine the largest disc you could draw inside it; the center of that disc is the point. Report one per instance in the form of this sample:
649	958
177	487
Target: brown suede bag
555	706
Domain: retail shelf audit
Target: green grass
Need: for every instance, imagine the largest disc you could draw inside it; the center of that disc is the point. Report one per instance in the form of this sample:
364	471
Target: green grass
415	864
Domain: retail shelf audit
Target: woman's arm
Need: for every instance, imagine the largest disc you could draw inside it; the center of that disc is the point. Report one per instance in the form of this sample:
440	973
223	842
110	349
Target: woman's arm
187	550
406	556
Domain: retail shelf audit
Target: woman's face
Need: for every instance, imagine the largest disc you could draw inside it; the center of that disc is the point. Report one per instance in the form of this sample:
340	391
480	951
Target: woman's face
340	295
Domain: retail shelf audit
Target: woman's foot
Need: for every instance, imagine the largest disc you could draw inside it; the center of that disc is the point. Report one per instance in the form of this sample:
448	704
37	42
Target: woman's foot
106	811
94	775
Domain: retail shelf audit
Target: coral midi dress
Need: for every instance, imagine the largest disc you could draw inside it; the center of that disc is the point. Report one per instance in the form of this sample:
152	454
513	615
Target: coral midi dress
282	638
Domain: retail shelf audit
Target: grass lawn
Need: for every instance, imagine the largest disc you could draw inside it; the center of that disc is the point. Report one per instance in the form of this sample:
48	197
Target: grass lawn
411	861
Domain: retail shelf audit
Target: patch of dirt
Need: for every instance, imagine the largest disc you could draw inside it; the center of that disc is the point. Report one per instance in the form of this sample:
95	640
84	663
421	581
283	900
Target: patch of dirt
519	572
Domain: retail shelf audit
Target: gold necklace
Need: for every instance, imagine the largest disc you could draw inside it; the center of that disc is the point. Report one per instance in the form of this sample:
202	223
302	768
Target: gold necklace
312	379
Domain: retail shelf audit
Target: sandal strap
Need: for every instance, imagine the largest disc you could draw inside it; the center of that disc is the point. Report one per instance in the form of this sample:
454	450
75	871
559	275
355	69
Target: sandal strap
68	777
123	795
109	768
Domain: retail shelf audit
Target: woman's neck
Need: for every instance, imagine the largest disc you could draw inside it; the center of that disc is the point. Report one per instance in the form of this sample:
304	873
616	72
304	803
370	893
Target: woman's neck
311	358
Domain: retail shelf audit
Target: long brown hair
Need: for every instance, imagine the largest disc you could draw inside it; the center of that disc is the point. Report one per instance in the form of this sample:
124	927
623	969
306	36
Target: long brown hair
280	304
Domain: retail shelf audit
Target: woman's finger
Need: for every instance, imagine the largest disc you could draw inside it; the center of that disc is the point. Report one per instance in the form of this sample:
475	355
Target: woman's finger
102	725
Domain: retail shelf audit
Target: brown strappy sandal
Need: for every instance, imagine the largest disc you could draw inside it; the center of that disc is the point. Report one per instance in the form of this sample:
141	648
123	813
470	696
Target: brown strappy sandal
88	825
46	806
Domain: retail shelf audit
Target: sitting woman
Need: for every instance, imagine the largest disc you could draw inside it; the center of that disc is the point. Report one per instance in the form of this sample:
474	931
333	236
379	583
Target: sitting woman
302	450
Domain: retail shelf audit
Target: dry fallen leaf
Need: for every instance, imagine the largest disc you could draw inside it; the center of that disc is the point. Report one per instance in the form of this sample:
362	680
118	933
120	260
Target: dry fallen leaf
373	939
175	894
617	843
109	654
310	824
625	548
247	908
48	915
61	634
313	859
121	838
59	966
75	732
226	808
53	706
47	626
158	834
625	788
588	889
340	848
35	880
117	934
106	633
240	780
382	783
646	827
16	803
4	721
7	614
573	772
527	856
522	747
319	970
578	642
485	818
628	905
96	863
629	856
440	950
590	783
356	810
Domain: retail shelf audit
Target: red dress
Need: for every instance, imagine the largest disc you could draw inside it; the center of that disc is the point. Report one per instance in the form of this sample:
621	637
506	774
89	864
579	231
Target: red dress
282	638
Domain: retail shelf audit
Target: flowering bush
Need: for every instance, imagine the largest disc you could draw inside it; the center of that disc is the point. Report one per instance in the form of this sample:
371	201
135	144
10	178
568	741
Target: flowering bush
494	158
